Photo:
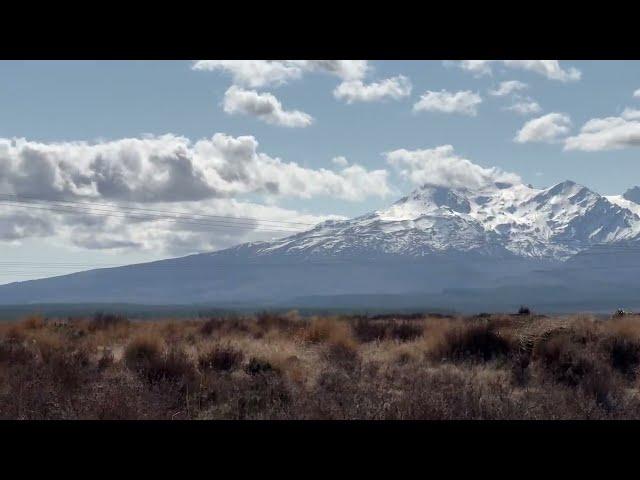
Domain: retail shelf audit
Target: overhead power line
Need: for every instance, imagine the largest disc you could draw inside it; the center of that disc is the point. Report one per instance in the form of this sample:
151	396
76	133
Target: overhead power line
67	203
148	217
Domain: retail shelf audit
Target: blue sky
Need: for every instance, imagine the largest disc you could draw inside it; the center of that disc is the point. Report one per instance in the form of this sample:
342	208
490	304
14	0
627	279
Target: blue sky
98	102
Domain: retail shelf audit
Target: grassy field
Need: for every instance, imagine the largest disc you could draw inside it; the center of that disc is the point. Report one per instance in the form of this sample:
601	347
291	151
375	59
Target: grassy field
272	366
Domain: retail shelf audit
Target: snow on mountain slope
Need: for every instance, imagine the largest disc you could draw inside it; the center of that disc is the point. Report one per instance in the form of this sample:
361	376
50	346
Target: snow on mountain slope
495	219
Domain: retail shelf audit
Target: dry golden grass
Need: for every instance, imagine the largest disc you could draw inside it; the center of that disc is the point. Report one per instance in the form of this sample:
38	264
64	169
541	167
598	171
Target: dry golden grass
271	366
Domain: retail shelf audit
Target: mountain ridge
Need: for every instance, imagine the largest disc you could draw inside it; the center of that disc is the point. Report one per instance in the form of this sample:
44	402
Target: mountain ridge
451	244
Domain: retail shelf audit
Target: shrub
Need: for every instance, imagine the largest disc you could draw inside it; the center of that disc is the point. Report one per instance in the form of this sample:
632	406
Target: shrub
257	366
142	351
326	329
33	322
566	361
217	324
474	342
221	359
366	330
172	367
524	310
105	360
104	321
624	354
405	331
342	354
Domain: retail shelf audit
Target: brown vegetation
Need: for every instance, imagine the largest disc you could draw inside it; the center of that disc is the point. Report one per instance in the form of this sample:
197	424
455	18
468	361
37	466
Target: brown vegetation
272	366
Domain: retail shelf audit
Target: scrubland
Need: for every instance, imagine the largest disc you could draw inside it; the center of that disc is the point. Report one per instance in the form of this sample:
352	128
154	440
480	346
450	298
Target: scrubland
283	366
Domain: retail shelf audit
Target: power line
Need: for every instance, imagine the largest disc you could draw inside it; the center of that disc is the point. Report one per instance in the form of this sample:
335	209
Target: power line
163	212
148	217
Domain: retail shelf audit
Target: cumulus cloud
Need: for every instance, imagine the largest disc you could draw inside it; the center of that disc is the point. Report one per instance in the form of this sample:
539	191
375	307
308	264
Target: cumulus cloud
340	161
631	114
550	69
356	91
525	106
165	173
463	102
636	94
261	73
611	133
264	106
507	88
440	166
548	128
170	168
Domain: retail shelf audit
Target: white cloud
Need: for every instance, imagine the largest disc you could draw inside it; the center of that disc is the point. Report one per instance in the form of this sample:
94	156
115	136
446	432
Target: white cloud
261	73
636	94
550	69
548	128
611	133
478	68
440	166
253	73
525	106
340	161
507	88
547	68
162	173
631	114
463	102
345	69
264	106
357	91
171	168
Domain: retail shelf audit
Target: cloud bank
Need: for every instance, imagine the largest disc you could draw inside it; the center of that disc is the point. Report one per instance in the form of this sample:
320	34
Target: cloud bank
167	172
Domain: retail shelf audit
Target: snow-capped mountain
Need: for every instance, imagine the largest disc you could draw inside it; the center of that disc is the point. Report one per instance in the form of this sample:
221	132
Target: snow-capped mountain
499	218
491	247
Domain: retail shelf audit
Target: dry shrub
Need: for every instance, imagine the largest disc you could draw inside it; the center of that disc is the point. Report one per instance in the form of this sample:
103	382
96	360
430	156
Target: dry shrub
105	321
106	359
566	359
405	331
15	353
285	323
624	354
475	342
142	351
174	366
321	330
258	366
366	330
220	358
65	365
33	322
370	330
342	354
222	325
